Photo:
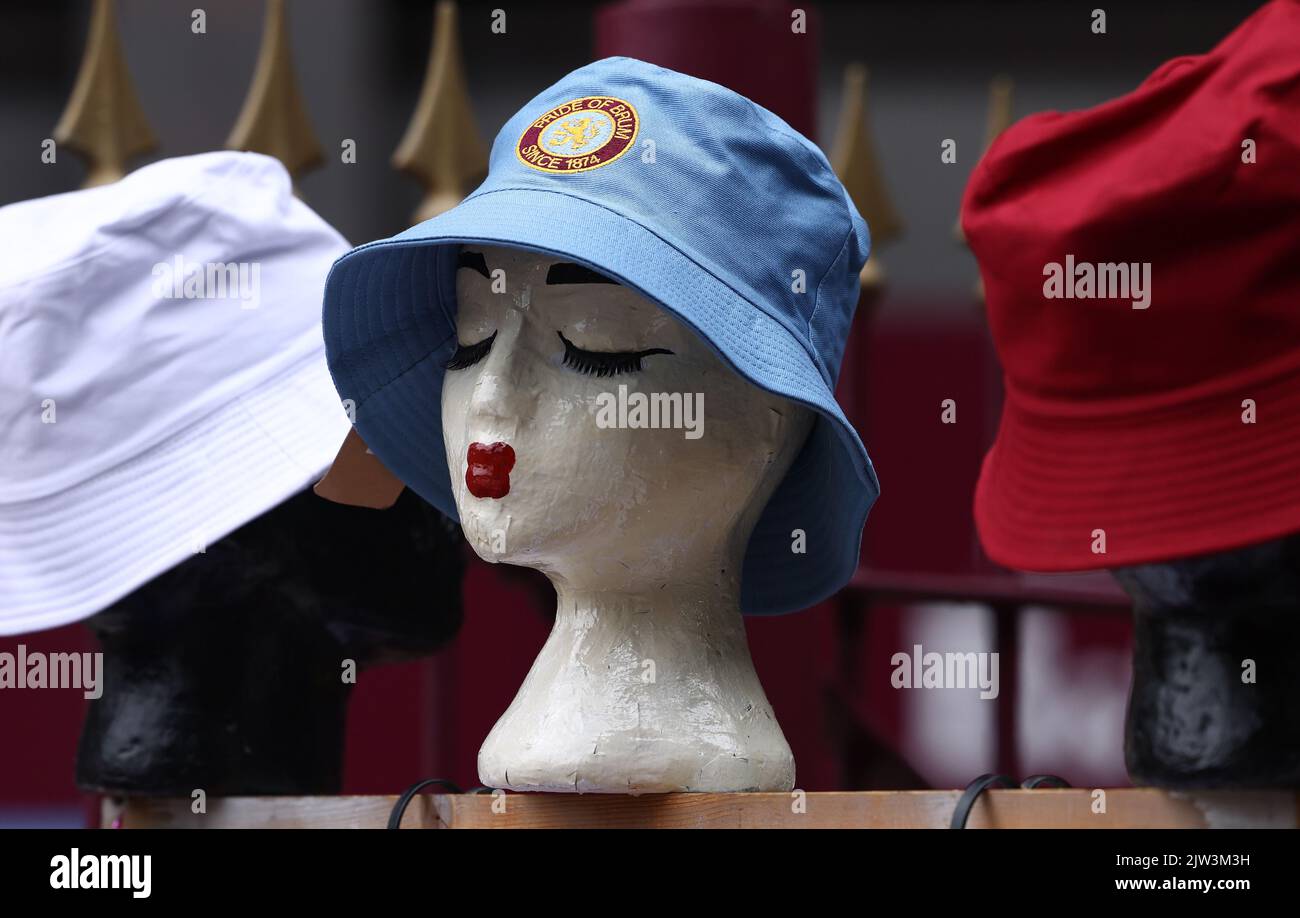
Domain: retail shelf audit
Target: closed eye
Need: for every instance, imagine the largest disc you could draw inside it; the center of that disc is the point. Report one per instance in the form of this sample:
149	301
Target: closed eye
469	354
605	363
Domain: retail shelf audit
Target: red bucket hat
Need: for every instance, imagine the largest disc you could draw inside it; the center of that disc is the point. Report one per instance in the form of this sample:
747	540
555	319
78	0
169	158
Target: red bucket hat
1141	262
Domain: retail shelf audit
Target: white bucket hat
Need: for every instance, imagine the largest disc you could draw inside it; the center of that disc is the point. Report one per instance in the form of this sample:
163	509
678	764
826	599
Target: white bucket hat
162	378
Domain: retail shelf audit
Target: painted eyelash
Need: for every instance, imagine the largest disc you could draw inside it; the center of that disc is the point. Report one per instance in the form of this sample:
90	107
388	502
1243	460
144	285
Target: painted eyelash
469	354
599	363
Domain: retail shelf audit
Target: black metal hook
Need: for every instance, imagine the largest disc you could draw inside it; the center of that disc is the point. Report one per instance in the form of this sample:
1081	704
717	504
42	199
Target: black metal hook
399	808
972	793
973	790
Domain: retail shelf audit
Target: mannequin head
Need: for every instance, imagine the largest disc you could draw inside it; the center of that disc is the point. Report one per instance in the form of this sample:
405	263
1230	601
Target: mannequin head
223	673
645	684
643	530
597	507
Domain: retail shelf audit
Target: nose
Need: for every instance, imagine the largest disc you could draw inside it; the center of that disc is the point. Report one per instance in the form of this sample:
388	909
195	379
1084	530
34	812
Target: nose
503	393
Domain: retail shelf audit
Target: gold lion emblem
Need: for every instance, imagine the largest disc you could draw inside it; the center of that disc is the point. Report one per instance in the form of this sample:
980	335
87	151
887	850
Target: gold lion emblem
577	132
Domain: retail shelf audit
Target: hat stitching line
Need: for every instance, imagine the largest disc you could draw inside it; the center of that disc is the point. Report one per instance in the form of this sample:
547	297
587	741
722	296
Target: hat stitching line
167	441
844	248
809	150
439	280
274	440
96	585
418	360
1283	369
415	365
812	152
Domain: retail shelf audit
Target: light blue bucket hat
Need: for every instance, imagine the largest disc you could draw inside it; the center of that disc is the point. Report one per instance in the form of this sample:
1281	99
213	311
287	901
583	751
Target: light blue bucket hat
696	198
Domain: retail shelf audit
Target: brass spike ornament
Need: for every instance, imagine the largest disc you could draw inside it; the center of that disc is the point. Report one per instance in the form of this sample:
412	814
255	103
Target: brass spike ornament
104	122
999	119
442	148
274	119
855	162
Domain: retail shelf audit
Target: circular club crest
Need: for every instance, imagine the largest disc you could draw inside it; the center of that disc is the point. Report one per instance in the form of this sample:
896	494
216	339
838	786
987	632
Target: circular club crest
580	135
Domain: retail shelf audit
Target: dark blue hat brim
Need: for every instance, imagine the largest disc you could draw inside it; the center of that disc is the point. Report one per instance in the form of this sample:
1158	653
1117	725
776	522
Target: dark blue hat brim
389	322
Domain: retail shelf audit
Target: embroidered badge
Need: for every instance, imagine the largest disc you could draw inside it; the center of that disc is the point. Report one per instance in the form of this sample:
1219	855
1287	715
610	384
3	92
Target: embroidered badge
579	135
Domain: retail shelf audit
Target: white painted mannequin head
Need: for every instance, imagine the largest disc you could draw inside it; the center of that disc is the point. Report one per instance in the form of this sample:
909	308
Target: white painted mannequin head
645	684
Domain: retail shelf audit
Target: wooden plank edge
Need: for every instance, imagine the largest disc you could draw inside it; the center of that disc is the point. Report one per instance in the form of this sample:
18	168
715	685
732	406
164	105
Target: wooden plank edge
1079	808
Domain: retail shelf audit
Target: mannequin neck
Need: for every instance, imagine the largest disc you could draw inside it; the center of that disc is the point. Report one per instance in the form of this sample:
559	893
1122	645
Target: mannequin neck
1214	669
1258	580
698	585
602	709
685	607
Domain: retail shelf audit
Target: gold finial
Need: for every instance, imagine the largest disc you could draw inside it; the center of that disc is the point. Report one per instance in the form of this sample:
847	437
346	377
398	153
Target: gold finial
274	119
442	148
854	160
104	122
999	119
999	110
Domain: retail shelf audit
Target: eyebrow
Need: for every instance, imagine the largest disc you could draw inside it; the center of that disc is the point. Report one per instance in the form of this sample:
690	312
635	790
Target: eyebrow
562	272
474	261
566	272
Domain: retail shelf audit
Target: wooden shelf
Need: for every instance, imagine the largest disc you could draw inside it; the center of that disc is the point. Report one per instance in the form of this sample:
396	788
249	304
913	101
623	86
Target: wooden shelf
1045	808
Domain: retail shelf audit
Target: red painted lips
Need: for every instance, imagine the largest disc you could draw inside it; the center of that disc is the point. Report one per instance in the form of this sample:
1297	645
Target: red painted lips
488	472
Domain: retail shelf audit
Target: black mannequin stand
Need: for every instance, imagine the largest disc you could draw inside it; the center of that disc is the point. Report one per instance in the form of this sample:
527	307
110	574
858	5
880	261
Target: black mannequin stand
225	674
1215	701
